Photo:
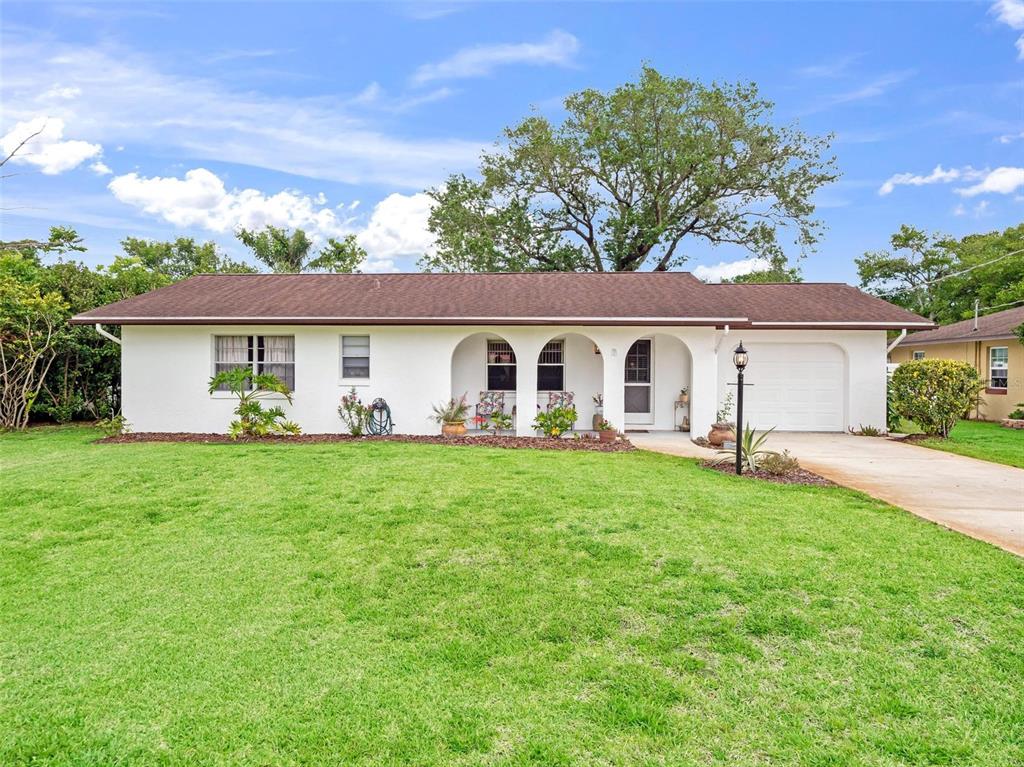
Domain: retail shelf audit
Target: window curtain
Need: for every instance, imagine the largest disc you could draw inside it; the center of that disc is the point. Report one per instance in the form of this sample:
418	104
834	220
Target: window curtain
230	352
279	358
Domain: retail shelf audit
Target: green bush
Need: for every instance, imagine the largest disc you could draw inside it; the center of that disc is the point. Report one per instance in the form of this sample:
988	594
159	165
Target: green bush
353	413
779	464
934	394
253	420
556	421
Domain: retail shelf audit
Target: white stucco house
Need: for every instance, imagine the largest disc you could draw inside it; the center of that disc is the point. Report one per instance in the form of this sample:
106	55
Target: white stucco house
817	351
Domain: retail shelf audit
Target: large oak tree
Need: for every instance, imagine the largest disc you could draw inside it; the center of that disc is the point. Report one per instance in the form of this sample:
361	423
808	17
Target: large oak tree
627	177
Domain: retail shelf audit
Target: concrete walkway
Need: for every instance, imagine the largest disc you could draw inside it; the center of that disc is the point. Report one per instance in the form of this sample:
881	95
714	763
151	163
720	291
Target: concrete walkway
981	499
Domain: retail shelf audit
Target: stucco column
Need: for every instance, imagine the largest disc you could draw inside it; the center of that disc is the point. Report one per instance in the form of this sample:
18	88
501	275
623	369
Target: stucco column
704	383
614	358
527	348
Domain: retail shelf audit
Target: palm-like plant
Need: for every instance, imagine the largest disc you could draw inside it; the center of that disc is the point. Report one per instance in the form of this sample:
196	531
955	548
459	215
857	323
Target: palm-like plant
752	450
253	420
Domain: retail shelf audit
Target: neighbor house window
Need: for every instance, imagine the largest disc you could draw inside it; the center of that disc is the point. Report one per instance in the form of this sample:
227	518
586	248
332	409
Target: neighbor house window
260	354
918	355
551	367
501	366
998	367
355	356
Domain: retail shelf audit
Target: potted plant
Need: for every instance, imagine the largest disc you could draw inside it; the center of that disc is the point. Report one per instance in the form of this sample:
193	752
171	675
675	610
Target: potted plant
598	410
452	416
605	431
723	430
684	395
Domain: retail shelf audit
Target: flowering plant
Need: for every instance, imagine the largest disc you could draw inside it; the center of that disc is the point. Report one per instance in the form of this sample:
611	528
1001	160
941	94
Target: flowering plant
934	394
353	413
556	421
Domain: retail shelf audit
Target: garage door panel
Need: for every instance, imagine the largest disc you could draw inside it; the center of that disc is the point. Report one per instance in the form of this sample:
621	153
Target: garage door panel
796	387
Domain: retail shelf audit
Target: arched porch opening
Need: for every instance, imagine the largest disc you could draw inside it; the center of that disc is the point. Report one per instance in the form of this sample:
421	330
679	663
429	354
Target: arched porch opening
483	368
570	370
657	385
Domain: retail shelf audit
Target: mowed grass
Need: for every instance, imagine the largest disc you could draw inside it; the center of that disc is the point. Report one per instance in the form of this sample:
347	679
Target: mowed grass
397	604
981	439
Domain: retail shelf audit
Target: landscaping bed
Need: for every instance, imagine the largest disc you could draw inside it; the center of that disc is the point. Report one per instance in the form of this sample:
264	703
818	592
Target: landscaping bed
795	477
530	443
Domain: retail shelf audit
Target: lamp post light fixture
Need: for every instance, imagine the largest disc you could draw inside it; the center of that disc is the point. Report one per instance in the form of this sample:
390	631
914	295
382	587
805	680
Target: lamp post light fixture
739	359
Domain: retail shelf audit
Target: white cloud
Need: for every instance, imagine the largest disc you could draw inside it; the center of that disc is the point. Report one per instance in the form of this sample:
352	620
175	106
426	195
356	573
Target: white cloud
398	227
1003	180
1009	138
871	89
48	150
201	200
831	68
60	92
558	48
100	168
127	100
1011	13
729	270
937	176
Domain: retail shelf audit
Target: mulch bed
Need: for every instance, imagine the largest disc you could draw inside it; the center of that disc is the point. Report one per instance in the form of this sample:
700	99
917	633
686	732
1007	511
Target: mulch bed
530	443
797	477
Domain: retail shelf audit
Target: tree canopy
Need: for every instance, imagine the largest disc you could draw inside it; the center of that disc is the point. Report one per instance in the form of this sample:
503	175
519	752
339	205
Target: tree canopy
941	277
283	251
627	177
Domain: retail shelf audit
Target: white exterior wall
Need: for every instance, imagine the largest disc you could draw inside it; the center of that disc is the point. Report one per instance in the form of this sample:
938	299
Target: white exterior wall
166	369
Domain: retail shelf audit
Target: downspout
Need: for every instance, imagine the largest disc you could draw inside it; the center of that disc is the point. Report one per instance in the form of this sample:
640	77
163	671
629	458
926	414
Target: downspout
722	338
108	336
894	344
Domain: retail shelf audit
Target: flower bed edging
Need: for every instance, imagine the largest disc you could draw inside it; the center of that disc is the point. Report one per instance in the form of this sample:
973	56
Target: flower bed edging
797	477
528	443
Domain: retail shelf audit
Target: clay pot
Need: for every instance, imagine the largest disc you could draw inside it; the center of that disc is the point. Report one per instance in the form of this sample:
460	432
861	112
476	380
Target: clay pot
608	435
454	429
721	433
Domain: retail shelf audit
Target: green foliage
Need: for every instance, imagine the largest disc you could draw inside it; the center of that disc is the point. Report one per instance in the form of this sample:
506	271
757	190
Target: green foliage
934	393
453	411
253	420
114	426
752	450
893	419
778	271
868	431
500	422
724	413
556	421
779	464
940	277
627	177
289	252
604	425
182	258
1020	333
31	322
1018	412
353	413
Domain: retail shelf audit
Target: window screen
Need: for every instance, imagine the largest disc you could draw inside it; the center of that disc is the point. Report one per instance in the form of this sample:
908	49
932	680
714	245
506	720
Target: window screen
551	367
501	366
355	356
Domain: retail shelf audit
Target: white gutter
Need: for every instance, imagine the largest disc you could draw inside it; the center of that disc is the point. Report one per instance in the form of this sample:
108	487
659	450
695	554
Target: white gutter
422	320
843	324
896	341
108	336
721	338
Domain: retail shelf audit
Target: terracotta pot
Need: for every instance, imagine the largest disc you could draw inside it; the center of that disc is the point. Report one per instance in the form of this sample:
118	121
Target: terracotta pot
721	433
454	429
608	435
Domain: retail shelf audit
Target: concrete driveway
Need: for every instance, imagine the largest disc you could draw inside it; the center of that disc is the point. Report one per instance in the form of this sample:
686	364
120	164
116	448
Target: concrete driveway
981	499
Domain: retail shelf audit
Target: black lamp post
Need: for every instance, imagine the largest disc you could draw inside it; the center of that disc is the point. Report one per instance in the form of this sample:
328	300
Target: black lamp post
739	359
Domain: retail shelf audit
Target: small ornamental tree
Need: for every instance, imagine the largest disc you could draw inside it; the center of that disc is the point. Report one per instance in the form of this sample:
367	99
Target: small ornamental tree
934	394
253	420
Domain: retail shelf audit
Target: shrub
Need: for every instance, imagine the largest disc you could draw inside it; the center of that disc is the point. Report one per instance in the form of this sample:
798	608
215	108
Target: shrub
115	425
752	452
934	394
353	413
779	464
724	413
556	421
1018	413
868	431
893	420
253	420
604	425
500	422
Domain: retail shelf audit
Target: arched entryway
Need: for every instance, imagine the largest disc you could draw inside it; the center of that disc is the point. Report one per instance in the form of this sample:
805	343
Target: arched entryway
484	368
570	368
657	388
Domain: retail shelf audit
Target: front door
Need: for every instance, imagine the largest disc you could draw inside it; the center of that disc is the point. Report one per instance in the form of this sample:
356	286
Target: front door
638	394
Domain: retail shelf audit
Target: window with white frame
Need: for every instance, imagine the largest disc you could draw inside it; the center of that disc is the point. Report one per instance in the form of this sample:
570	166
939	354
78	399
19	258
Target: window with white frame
918	355
355	356
551	367
998	367
274	355
501	366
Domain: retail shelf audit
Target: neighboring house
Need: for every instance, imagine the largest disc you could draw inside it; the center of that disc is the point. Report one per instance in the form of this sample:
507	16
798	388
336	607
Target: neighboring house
817	351
990	345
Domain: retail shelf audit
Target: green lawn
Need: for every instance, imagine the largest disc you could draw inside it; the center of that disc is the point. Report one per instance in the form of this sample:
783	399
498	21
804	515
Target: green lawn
981	439
396	604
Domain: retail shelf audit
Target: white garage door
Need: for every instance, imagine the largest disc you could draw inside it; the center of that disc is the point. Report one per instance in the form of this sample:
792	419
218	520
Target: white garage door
797	387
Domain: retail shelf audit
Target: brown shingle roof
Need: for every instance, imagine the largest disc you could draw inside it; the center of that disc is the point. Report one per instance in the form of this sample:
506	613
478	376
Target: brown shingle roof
521	298
990	326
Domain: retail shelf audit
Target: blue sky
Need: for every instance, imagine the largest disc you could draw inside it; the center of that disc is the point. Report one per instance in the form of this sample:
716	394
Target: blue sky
184	119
